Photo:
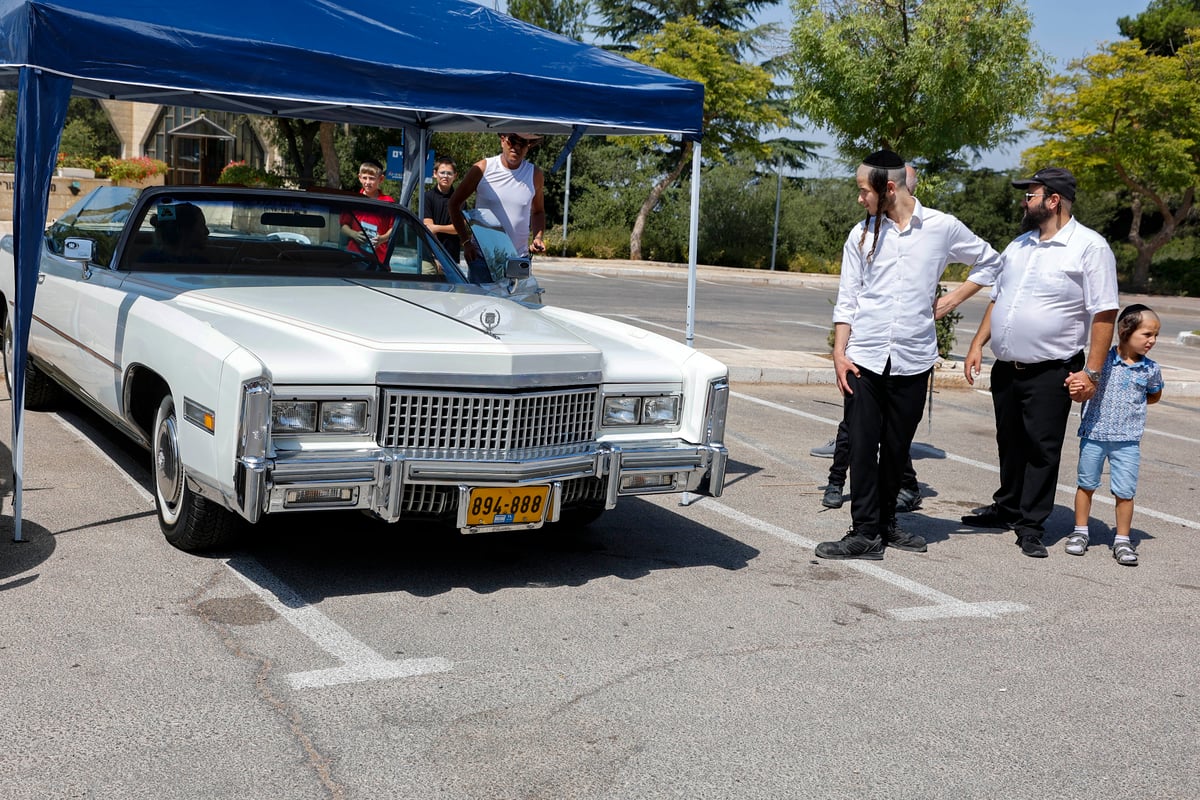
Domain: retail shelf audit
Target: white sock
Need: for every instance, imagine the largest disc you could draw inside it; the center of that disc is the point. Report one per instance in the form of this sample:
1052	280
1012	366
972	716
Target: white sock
1081	530
1121	540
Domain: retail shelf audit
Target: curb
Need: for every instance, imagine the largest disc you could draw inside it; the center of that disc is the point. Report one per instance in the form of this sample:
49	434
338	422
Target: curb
823	376
814	369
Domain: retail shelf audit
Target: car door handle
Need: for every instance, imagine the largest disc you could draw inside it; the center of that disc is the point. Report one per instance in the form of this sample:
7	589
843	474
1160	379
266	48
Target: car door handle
41	278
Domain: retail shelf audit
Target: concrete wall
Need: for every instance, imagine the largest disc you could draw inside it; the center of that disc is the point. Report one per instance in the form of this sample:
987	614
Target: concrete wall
61	196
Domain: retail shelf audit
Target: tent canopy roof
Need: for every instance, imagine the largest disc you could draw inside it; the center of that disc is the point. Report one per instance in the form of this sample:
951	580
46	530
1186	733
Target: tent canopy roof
452	65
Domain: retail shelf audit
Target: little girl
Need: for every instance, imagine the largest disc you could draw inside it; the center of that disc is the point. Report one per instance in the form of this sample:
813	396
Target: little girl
1113	423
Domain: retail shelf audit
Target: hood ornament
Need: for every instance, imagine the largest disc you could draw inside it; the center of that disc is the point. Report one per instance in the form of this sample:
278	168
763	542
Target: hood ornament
490	319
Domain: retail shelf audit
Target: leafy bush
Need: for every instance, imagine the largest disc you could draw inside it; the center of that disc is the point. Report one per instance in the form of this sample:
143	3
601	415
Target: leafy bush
1175	276
945	328
804	262
128	169
241	173
595	243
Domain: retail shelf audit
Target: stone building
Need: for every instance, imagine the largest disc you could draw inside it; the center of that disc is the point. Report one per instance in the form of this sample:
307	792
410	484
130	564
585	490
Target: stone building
196	144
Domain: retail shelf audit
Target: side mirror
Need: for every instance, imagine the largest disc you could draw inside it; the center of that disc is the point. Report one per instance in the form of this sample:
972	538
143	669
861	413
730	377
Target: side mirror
78	249
516	268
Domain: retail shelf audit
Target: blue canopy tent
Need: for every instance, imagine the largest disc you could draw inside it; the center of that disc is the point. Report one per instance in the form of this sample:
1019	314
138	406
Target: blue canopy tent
451	66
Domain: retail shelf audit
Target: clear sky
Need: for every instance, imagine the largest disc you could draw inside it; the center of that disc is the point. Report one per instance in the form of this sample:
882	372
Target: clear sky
1066	29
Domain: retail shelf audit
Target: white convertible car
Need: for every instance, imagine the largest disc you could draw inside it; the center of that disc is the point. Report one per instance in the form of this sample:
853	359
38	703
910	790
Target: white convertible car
286	351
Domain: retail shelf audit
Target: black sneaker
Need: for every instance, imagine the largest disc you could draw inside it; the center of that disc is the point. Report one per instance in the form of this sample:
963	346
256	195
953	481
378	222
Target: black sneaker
908	500
833	496
987	518
853	545
1031	545
901	539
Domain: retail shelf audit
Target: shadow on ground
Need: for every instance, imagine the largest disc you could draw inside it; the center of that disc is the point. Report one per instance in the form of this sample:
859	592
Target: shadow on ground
18	558
334	554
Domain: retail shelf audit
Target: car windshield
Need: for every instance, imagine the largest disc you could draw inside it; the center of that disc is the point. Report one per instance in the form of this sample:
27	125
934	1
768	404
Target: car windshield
240	232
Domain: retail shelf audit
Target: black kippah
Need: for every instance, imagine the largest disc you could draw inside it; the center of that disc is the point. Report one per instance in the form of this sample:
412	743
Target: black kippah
884	159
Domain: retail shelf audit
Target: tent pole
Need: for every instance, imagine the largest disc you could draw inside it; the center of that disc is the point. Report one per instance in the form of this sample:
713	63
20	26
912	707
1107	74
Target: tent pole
693	240
687	498
424	134
42	99
778	195
566	204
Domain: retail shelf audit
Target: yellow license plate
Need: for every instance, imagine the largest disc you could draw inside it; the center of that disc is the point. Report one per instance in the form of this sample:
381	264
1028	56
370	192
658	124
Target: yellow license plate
507	506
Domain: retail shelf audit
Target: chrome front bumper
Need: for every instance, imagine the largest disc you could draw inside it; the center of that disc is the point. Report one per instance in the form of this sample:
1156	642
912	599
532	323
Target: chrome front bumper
375	479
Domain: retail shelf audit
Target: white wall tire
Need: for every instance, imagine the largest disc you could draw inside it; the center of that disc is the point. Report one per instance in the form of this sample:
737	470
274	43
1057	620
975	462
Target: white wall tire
188	521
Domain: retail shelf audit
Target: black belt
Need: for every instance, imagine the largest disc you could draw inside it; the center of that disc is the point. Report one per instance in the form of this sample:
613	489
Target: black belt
1074	363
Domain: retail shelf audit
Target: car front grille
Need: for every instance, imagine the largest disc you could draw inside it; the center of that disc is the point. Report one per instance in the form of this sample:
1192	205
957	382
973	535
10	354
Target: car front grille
430	422
427	501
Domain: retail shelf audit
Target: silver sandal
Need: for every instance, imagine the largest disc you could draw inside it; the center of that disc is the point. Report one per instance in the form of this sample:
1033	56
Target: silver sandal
1125	555
1077	544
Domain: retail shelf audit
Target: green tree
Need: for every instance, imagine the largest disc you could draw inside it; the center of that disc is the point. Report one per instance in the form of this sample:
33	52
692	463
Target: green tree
87	133
1162	27
1124	118
627	21
300	141
926	78
568	17
736	104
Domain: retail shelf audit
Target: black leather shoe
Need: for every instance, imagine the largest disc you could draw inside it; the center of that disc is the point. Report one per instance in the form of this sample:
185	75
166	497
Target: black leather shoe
907	500
988	518
901	539
1031	544
853	545
833	496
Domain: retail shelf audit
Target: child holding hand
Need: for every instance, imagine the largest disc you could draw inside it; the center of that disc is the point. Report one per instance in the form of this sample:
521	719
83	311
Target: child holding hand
1113	423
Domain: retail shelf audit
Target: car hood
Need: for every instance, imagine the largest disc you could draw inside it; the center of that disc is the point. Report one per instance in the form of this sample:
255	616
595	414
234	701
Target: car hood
345	331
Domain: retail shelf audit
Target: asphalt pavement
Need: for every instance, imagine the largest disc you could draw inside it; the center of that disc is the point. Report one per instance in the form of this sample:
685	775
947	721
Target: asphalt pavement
799	367
671	650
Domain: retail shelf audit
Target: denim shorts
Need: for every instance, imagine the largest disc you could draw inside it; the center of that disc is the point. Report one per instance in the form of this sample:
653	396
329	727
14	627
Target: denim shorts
1123	460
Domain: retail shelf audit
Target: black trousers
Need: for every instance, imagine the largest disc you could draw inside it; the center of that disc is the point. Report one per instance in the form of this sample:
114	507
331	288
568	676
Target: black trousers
1032	406
883	419
841	454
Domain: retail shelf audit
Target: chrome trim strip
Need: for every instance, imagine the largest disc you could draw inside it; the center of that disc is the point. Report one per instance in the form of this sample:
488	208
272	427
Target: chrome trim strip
77	343
716	409
525	381
252	447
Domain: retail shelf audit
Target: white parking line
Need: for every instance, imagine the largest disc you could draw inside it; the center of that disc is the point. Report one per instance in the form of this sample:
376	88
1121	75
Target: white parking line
641	321
1062	488
940	606
359	662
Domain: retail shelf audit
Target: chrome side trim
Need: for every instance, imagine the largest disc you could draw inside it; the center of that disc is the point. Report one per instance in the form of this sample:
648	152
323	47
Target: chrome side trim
254	429
716	408
520	381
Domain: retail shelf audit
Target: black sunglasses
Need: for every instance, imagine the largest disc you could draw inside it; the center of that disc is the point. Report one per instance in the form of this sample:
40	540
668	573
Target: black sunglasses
517	141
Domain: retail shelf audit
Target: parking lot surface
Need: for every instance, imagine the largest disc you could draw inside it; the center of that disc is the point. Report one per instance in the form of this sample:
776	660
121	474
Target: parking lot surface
668	650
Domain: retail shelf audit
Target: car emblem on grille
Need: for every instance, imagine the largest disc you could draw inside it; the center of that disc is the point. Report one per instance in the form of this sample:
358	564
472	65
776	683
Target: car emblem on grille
490	319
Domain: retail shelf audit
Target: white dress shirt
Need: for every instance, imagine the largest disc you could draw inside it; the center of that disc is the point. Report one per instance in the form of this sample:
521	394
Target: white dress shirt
888	303
1047	293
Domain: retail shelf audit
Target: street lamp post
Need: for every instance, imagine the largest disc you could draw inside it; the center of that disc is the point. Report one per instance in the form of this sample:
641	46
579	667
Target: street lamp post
778	195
